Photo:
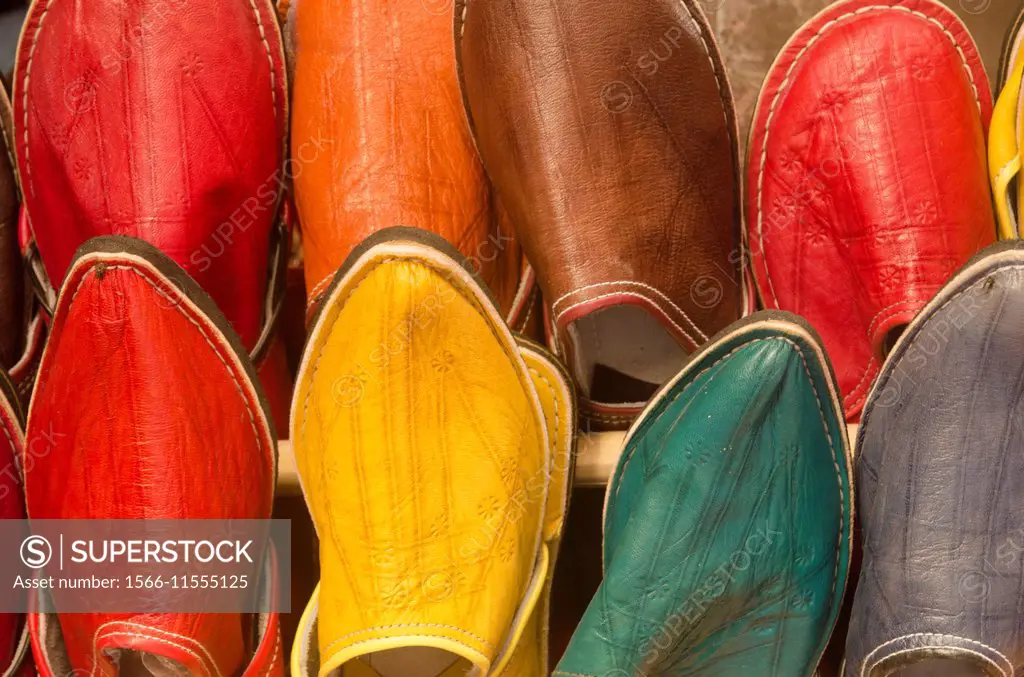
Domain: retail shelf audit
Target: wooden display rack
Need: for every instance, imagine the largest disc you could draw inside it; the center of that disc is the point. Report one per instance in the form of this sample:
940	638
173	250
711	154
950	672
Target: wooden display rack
597	454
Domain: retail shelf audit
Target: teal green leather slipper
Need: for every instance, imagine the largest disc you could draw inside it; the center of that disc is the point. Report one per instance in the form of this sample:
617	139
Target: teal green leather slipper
727	528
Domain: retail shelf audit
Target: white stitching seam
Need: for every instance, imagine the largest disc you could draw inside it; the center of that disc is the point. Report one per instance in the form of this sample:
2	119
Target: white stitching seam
878	318
529	311
319	288
554	400
865	665
555	440
97	637
628	283
785	82
889	369
270	58
180	647
277	650
629	293
24	94
722	89
959	650
856	398
378	628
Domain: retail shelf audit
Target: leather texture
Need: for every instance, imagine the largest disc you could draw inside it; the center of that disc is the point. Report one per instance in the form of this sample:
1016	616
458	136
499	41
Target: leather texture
23	373
13	629
12	278
150	347
938	476
435	454
1004	159
162	121
609	133
379	138
866	185
727	525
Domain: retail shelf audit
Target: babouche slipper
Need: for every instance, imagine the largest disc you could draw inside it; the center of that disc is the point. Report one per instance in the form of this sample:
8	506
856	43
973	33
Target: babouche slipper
866	183
727	525
609	132
434	450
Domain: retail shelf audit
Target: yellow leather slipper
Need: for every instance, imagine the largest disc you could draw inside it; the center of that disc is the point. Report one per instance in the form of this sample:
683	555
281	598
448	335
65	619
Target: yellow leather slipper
1004	153
435	453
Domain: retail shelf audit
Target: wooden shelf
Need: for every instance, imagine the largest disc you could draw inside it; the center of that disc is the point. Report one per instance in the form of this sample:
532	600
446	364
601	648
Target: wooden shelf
597	455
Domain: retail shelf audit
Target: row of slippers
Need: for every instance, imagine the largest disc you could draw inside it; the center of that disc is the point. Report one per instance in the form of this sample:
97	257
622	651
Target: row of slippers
866	189
619	177
729	521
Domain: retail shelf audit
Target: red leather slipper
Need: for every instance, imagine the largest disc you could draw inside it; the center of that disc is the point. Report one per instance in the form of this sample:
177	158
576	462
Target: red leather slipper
160	416
867	180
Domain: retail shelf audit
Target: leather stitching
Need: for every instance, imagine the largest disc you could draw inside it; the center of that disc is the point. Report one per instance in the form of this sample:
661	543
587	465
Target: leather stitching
152	629
943	637
824	423
959	650
319	288
555	439
782	88
629	283
404	625
877	319
554	399
882	315
125	633
202	331
611	419
722	89
270	58
638	295
608	418
529	310
527	287
24	96
856	397
951	299
273	658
